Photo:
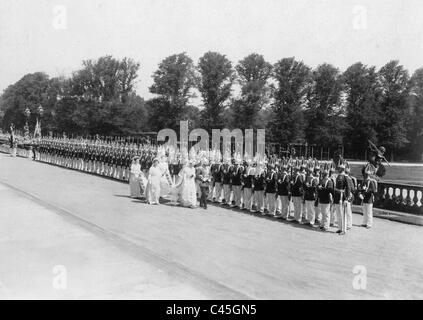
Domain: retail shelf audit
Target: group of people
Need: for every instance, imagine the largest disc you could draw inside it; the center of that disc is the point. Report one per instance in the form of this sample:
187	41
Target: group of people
302	191
299	190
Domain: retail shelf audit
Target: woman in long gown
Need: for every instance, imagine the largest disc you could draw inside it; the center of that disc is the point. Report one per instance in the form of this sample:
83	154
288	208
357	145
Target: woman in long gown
188	192
153	185
134	178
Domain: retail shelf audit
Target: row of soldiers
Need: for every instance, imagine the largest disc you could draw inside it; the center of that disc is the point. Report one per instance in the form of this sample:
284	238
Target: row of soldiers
320	195
103	158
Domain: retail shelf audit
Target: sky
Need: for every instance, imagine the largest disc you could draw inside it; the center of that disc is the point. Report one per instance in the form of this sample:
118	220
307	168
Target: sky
55	36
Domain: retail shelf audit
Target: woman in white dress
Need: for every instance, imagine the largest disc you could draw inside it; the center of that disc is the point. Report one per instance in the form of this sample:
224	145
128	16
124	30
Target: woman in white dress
134	178
188	192
153	185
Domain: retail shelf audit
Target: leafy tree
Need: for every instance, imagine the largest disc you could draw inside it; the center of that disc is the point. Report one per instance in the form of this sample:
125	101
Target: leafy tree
362	106
292	82
253	74
105	79
29	92
324	111
216	79
173	83
394	82
415	117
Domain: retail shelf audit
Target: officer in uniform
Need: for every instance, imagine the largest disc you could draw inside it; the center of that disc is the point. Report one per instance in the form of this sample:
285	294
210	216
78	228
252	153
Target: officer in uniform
236	184
227	174
247	185
325	193
271	189
342	193
367	195
352	183
316	204
218	179
259	185
297	193
310	190
284	191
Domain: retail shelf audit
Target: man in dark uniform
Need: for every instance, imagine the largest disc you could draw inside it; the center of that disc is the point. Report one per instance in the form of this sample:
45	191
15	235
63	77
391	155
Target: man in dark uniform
237	185
284	192
226	181
310	195
259	185
367	195
352	183
271	189
297	192
247	186
324	193
341	194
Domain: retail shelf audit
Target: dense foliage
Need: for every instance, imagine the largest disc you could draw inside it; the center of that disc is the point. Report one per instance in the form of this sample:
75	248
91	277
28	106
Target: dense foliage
295	103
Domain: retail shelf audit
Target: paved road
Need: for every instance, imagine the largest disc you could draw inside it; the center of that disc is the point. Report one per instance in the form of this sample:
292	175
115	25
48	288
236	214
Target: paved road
118	247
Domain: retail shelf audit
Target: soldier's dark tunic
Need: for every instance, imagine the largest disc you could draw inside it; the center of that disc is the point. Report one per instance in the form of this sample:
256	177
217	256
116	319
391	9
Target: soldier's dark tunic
284	184
297	186
342	189
325	190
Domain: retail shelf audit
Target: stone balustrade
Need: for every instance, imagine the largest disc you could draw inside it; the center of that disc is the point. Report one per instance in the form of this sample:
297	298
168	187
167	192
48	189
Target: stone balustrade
398	197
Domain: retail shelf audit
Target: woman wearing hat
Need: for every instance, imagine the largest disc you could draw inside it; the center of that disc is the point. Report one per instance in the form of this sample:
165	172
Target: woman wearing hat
188	192
153	185
134	178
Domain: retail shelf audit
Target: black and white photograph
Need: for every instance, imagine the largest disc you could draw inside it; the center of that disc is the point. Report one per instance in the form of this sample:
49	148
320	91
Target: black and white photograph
211	150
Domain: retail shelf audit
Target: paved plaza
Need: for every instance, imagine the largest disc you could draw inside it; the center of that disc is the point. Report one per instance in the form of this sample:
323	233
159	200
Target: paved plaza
56	222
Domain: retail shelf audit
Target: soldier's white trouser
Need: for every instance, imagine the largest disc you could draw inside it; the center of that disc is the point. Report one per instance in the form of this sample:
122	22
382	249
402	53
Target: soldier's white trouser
210	195
304	213
348	215
259	200
283	206
333	217
247	198
218	191
310	213
237	195
325	211
227	193
271	203
318	214
120	173
298	208
339	209
368	214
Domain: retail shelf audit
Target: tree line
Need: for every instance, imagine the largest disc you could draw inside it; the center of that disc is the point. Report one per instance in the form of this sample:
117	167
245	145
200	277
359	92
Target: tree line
295	103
